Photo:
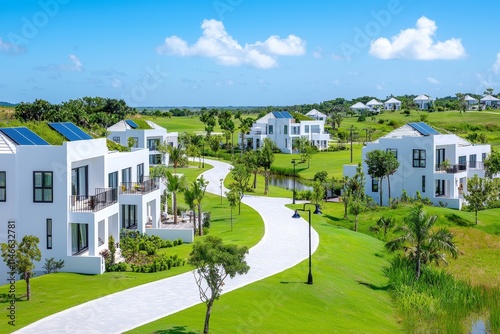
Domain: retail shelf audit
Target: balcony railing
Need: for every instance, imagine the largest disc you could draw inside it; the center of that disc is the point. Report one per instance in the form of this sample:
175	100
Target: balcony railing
475	164
451	169
141	188
103	198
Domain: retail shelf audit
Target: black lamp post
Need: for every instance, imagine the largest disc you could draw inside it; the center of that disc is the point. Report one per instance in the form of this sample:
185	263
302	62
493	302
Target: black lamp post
317	211
221	180
294	162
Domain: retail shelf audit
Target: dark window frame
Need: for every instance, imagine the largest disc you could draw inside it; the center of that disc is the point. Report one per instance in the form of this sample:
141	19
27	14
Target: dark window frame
375	185
270	129
3	195
140	173
394	151
43	187
116	139
423	183
80	248
420	160
48	224
113	176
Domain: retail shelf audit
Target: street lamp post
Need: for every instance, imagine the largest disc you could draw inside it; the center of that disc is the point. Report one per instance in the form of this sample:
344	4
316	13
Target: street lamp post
317	211
221	180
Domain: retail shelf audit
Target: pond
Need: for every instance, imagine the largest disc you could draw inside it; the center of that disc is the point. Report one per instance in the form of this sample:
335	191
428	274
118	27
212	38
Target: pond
286	182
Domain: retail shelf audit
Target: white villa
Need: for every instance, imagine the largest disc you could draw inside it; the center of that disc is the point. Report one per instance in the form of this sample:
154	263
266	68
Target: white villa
490	101
374	104
470	101
317	115
359	107
423	102
75	195
282	129
144	138
392	104
434	164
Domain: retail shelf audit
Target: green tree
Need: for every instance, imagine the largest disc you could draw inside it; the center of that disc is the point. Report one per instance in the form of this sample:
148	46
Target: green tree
214	261
492	164
384	224
241	177
462	103
266	159
318	194
381	164
176	156
251	159
356	192
421	243
175	184
233	197
478	191
197	191
245	126
19	258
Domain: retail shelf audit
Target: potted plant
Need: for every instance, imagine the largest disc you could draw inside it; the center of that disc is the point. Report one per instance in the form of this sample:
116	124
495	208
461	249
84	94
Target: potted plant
446	165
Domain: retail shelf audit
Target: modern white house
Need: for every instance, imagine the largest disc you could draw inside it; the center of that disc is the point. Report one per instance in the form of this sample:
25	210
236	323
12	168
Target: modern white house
434	164
282	129
470	102
392	104
423	102
317	115
75	195
489	101
359	107
144	138
374	105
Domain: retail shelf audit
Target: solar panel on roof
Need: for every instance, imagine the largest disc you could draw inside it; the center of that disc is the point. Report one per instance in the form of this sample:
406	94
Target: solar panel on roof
23	136
423	128
79	132
286	114
132	124
277	114
429	129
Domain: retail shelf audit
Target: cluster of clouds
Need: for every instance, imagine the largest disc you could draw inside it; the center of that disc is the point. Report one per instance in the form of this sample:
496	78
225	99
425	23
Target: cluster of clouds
74	65
417	43
216	43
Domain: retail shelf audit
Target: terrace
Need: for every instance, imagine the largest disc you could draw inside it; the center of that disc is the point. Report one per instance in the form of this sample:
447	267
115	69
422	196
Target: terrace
141	188
103	198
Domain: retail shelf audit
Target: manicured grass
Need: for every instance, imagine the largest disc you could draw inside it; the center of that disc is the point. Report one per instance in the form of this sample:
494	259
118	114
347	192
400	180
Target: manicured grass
348	295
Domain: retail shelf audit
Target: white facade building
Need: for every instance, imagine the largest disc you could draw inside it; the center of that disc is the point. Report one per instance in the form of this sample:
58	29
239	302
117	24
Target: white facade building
73	196
359	107
434	164
470	102
317	115
423	102
374	105
392	104
144	138
281	128
490	101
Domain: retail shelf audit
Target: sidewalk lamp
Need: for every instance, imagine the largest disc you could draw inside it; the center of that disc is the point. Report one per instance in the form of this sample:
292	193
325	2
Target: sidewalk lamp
317	211
221	180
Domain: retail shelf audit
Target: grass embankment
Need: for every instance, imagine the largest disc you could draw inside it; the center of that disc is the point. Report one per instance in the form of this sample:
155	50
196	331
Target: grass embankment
56	292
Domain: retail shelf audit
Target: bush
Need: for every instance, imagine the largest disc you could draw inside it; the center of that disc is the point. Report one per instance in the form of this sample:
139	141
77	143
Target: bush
381	121
321	176
52	266
206	219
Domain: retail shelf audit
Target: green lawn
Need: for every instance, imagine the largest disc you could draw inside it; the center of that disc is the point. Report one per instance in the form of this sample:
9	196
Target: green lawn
348	295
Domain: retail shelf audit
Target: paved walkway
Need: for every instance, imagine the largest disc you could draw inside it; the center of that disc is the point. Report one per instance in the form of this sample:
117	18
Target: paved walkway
285	244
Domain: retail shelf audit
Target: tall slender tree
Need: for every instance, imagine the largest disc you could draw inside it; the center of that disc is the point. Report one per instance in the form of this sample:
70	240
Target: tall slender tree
266	159
175	184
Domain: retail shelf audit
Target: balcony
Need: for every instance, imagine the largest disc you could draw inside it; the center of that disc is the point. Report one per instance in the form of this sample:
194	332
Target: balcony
451	169
140	188
103	198
152	148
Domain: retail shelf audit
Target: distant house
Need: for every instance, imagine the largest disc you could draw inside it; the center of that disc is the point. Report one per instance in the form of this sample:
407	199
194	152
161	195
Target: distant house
490	101
317	115
374	105
392	104
359	107
423	102
470	102
144	138
436	165
282	129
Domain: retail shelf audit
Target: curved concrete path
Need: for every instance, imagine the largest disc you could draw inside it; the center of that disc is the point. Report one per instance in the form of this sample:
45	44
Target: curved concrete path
285	244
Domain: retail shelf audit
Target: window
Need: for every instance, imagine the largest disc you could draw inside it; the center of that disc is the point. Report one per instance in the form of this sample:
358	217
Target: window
440	187
116	140
423	183
483	156
375	185
472	161
153	144
79	184
79	238
126	177
306	129
296	130
140	173
285	129
3	187
42	187
155	159
49	233
462	162
419	158
315	129
129	216
113	180
136	142
270	129
394	152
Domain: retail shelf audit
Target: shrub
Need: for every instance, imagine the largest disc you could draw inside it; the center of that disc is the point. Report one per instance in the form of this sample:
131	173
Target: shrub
381	121
206	219
362	118
52	266
321	176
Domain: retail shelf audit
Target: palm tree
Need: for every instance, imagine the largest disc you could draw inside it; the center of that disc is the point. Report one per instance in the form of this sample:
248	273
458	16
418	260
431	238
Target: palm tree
194	195
420	242
189	198
175	184
176	155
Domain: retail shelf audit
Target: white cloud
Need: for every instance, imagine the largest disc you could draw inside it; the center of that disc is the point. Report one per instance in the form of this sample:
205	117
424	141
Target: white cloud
116	83
496	65
216	43
10	48
417	43
433	81
75	65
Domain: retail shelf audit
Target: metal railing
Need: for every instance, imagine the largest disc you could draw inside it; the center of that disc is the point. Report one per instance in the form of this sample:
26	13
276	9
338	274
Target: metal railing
144	187
451	169
103	198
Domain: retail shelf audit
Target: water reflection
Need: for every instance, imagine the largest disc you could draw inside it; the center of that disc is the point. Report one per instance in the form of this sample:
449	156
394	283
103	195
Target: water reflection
286	182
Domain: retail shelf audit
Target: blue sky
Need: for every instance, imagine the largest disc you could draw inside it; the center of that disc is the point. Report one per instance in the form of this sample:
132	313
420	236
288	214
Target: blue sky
244	52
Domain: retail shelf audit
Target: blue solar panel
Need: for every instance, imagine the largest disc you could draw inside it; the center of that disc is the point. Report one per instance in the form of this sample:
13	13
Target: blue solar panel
286	114
277	114
23	136
70	131
76	130
132	124
424	129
